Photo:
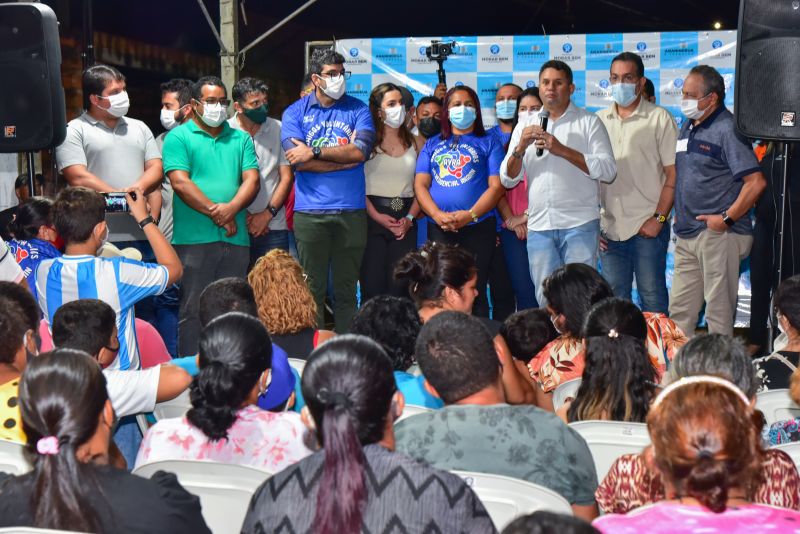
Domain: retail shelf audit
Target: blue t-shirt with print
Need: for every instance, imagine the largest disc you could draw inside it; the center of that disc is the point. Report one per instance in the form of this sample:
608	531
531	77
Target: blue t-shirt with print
460	168
29	254
317	126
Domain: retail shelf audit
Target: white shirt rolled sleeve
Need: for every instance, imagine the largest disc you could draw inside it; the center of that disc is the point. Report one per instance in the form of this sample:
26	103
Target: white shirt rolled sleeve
560	195
10	270
132	392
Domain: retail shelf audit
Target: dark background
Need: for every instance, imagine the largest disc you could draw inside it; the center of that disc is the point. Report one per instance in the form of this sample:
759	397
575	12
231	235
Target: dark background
180	24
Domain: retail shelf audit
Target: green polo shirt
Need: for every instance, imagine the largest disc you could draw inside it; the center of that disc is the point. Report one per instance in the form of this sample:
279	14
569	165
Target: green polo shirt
215	165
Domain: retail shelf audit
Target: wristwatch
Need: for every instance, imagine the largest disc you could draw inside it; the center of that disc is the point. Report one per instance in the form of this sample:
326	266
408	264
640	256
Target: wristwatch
317	151
273	210
410	218
727	219
515	155
474	216
144	222
660	218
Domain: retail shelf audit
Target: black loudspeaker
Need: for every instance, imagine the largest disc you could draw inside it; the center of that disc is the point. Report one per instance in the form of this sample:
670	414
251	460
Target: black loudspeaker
768	69
32	114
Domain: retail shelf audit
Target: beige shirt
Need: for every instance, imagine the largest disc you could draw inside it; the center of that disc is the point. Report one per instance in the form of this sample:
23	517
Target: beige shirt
391	177
643	144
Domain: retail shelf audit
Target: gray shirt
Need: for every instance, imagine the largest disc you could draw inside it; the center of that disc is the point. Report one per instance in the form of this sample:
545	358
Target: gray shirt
165	221
116	156
711	160
270	154
515	441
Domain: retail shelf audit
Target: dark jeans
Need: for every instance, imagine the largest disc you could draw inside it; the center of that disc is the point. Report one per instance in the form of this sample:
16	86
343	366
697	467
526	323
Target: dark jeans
501	292
271	240
516	253
203	264
479	239
645	258
161	311
382	252
336	240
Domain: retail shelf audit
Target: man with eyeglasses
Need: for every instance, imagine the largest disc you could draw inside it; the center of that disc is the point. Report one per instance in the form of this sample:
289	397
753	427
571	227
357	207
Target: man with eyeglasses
327	136
635	207
266	216
718	180
213	169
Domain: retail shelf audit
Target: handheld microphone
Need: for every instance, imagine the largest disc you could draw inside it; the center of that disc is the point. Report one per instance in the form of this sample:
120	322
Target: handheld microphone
543	117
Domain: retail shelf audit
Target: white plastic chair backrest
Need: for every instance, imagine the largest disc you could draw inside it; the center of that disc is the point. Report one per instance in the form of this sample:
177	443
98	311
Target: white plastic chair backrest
32	530
171	409
776	405
412	409
608	440
224	489
793	450
507	498
564	391
12	458
297	364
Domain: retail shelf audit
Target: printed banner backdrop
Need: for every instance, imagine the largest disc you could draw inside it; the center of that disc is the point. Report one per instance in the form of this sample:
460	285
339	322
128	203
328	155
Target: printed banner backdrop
485	63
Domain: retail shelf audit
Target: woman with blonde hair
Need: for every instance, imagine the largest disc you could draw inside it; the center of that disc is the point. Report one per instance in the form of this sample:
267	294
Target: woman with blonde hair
285	304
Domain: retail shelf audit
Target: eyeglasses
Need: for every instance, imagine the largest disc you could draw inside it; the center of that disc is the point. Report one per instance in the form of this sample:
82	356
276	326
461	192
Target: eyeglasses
335	75
212	101
113	350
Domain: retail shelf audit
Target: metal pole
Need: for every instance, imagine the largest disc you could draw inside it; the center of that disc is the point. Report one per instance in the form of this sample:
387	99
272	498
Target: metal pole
31	173
278	25
784	187
88	36
212	25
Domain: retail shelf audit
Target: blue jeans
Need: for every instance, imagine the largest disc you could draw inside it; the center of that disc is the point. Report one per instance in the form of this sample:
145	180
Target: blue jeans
516	253
550	249
644	258
161	311
262	244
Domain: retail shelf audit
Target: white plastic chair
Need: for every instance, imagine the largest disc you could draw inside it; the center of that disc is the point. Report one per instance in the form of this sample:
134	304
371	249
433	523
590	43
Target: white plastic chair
224	489
171	409
776	405
12	458
412	409
608	440
792	449
297	364
564	391
507	498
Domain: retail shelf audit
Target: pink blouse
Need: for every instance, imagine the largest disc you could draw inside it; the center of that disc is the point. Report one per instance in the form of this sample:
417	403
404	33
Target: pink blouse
668	517
258	438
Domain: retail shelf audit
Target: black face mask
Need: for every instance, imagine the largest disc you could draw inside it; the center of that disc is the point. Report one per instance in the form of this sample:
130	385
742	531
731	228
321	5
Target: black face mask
429	126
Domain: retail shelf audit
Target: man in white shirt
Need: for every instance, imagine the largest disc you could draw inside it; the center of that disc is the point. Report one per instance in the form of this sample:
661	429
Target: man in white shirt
636	206
563	192
266	215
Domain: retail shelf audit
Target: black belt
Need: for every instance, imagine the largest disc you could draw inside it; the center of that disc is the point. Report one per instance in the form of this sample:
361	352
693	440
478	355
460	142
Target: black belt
396	204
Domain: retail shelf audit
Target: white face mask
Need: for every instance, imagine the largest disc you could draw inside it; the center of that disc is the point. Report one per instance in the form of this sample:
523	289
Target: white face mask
780	324
395	116
214	114
690	109
168	119
528	117
120	103
104	239
334	88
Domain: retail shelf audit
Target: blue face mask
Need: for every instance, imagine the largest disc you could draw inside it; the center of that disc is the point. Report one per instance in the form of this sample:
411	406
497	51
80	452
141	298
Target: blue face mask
505	109
462	117
623	93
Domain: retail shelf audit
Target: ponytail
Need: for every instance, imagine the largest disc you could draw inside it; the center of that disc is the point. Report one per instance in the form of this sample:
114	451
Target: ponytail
62	394
342	491
708	482
31	215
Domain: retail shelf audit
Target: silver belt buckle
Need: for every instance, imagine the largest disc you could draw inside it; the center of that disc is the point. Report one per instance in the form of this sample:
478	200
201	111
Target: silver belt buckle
396	204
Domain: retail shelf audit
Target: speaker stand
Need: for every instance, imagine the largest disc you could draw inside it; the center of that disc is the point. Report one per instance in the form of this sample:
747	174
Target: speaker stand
773	317
31	173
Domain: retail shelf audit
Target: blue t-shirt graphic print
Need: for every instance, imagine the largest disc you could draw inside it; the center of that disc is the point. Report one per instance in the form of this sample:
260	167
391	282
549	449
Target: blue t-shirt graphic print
460	168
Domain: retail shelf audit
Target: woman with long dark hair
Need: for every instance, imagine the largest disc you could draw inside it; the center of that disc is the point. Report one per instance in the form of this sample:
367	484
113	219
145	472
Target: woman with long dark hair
458	183
35	237
357	482
225	423
68	420
391	205
618	379
708	453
